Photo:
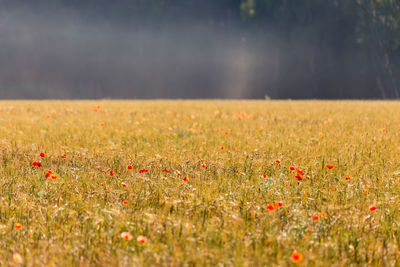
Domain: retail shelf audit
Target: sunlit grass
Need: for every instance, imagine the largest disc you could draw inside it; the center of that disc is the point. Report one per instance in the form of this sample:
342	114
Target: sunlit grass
236	206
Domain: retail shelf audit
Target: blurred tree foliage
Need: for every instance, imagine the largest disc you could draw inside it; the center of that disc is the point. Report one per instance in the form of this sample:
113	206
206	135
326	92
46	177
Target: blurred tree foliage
328	48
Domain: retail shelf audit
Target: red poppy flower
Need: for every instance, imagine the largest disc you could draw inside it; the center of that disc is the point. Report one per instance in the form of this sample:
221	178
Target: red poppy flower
264	175
54	177
307	177
297	257
365	191
129	167
203	166
292	168
334	187
102	170
47	175
347	178
37	164
142	239
185	179
278	161
143	170
125	202
329	166
300	171
63	157
42	155
165	170
271	207
222	148
315	217
18	225
164	178
280	204
124	184
298	176
112	173
126	235
372	208
324	214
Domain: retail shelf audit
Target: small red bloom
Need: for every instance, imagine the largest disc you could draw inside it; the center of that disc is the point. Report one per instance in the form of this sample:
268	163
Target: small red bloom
292	168
298	176
185	179
347	178
143	170
102	170
125	202
112	173
63	157
329	166
129	167
372	208
124	184
264	175
300	171
37	164
165	170
315	217
18	225
271	207
42	155
203	166
54	177
278	161
47	175
222	148
307	177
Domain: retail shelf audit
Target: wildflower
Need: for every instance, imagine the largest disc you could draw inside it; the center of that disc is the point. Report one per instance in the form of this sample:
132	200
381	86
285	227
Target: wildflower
308	177
112	173
125	202
334	187
36	164
291	168
124	184
226	133
102	170
129	167
297	257
143	171
165	170
372	208
264	175
185	179
63	157
203	166
17	258
365	191
142	239
270	207
126	236
54	177
300	171
329	166
47	175
347	178
222	148
102	124
140	178
315	217
18	225
309	228
164	178
324	214
278	161
298	176
42	155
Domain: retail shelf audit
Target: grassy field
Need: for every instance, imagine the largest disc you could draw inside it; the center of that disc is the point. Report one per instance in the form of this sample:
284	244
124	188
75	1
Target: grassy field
237	206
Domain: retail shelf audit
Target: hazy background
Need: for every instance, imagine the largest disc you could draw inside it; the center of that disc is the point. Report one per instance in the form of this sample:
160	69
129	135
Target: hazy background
74	49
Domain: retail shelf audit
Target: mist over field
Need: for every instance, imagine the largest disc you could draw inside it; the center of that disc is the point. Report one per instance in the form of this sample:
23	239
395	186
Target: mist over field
190	49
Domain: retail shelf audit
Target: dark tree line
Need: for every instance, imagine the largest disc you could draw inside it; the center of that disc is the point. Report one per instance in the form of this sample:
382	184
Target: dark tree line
200	48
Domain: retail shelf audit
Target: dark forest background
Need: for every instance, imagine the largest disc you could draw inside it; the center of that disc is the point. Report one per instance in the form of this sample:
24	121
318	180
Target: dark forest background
328	49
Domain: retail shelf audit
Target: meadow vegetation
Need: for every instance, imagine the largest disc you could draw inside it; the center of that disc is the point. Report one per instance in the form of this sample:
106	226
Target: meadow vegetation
193	183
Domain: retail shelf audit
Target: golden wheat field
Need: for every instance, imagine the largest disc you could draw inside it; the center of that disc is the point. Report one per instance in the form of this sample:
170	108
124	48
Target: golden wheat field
199	183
